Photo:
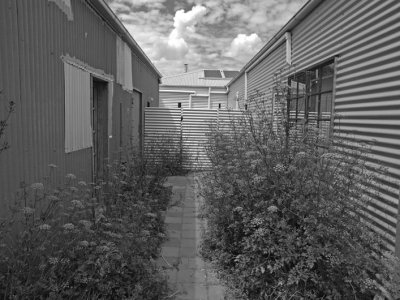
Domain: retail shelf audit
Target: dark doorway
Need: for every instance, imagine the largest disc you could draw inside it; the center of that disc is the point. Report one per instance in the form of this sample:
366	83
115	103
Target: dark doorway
100	126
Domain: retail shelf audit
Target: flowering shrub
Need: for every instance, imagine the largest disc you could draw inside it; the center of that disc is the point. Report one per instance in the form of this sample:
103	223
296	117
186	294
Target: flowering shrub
285	213
86	240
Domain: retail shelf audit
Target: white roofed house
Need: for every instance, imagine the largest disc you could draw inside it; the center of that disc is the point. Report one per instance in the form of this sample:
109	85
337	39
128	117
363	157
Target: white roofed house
201	89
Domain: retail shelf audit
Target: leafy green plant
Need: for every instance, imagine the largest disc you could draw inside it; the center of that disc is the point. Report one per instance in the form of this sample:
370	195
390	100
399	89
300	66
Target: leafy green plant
286	210
87	240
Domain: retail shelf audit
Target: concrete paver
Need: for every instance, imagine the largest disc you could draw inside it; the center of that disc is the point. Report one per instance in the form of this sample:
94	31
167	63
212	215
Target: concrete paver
189	276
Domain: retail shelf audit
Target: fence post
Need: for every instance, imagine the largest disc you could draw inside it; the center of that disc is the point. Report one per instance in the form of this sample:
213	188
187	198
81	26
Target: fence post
181	141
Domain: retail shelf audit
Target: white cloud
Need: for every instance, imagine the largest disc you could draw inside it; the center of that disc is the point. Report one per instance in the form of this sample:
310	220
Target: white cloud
184	22
176	47
170	42
244	46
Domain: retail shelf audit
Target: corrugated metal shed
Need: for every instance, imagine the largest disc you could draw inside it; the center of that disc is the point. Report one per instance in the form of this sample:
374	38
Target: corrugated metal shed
35	37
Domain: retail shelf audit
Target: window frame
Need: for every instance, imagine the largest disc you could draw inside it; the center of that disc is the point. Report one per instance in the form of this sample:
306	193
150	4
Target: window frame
317	71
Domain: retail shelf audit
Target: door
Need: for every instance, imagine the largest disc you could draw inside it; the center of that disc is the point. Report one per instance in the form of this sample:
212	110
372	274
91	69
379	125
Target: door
131	119
99	126
137	116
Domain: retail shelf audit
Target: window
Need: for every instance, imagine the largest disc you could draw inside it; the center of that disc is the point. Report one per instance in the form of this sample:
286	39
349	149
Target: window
148	104
179	104
310	96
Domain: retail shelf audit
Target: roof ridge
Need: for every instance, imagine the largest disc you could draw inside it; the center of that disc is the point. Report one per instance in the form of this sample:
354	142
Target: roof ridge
191	72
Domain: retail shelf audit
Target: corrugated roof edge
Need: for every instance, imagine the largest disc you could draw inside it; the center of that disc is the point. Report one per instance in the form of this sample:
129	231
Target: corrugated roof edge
104	10
197	71
300	15
181	74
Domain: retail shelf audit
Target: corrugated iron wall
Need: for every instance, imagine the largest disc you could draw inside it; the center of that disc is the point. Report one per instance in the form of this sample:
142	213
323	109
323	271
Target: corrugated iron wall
185	128
78	128
365	37
145	80
196	123
35	34
217	99
199	102
261	79
171	100
236	91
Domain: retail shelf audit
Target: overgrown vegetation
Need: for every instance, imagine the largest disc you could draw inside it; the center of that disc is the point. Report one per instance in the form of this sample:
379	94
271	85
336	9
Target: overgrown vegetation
166	151
87	240
4	124
285	212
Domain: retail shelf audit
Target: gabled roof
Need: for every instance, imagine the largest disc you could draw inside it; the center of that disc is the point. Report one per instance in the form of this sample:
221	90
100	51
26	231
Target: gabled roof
209	78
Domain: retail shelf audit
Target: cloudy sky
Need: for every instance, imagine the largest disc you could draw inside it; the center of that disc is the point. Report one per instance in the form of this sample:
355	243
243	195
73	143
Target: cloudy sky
216	34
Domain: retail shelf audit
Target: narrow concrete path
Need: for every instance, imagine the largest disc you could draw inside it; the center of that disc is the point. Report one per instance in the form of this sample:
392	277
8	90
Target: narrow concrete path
189	276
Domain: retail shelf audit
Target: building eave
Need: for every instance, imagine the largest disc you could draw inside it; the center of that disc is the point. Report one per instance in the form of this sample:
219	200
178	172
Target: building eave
102	8
296	19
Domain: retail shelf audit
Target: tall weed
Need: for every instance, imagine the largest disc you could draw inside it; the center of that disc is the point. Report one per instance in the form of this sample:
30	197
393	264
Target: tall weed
286	210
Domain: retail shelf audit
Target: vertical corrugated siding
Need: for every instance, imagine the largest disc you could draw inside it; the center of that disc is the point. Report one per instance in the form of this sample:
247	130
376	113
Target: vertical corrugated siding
78	130
366	36
35	34
120	55
145	80
9	87
127	82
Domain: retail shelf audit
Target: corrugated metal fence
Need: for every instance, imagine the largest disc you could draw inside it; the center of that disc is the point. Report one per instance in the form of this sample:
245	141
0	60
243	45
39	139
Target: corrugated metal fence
183	132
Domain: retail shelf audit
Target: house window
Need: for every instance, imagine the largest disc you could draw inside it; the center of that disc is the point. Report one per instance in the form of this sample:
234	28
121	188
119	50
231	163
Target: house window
148	104
179	104
310	96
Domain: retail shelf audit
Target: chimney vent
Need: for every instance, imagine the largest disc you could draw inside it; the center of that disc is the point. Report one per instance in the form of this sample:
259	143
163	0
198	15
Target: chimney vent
186	68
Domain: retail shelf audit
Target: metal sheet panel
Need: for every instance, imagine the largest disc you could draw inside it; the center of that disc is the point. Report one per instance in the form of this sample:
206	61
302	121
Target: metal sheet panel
186	127
364	35
78	129
236	92
35	34
171	100
145	80
217	99
120	54
127	81
199	102
12	159
261	79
